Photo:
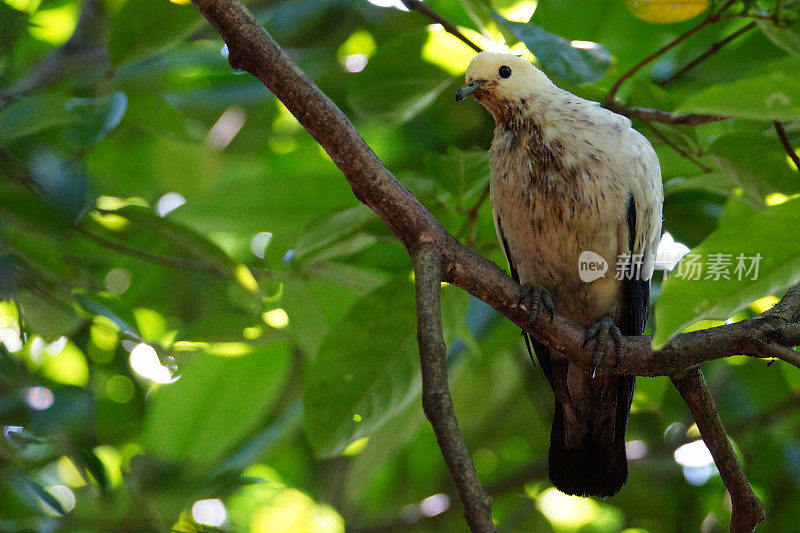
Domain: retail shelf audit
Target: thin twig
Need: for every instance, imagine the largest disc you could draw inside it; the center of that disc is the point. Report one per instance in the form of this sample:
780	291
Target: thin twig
419	7
664	117
19	173
683	153
787	144
713	49
710	19
748	511
436	400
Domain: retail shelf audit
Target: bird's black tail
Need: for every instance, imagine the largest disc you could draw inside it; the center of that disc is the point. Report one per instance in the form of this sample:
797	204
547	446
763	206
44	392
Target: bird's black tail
587	453
587	442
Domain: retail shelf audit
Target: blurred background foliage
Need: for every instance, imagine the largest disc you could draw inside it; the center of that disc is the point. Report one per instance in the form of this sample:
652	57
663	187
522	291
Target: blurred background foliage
201	329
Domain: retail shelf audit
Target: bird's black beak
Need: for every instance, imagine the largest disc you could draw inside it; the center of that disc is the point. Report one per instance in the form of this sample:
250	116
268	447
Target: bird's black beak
468	89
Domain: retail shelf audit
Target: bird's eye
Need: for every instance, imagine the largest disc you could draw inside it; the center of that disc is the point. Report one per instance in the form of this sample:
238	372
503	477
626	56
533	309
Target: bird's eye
505	71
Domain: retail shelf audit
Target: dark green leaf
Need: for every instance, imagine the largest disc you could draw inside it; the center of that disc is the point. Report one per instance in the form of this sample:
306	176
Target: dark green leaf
143	27
558	57
684	300
464	174
94	118
191	419
366	369
770	93
32	115
757	163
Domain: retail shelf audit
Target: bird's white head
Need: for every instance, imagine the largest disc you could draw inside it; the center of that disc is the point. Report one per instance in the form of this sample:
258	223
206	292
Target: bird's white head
501	81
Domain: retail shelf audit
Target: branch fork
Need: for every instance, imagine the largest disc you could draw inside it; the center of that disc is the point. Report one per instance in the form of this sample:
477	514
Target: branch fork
438	256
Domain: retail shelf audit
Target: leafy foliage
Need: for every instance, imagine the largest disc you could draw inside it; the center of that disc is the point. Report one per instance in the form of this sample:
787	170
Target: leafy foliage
254	349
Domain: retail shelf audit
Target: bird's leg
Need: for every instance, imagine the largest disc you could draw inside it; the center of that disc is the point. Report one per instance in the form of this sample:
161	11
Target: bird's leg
534	297
601	332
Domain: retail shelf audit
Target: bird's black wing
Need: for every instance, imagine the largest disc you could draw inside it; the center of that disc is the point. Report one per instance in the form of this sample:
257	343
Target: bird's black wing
636	289
534	347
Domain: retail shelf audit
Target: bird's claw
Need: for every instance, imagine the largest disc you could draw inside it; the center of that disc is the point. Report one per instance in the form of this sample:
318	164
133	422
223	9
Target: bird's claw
534	297
602	331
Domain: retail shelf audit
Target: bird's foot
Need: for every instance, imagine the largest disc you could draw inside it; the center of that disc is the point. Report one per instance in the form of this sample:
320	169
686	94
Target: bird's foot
534	297
604	330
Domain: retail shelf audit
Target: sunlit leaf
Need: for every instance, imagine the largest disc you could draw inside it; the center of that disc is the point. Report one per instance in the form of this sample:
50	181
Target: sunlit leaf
770	93
684	301
666	11
189	418
384	90
361	378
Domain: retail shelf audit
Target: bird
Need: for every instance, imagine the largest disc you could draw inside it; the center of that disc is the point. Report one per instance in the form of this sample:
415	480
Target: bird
570	178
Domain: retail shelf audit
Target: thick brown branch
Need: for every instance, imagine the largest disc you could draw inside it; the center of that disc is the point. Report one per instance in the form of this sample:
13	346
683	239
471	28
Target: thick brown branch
748	511
253	50
436	400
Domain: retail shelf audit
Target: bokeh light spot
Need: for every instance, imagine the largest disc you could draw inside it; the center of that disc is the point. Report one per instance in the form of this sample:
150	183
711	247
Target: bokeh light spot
39	398
120	389
209	512
277	318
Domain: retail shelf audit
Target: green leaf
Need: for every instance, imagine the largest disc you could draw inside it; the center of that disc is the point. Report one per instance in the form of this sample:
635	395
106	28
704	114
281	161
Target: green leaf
770	93
142	27
32	115
397	84
366	371
715	182
785	37
188	241
464	174
558	57
742	230
217	401
757	164
94	118
49	317
330	230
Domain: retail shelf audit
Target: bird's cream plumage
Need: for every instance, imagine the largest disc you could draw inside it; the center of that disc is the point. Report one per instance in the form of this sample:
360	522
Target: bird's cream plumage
568	176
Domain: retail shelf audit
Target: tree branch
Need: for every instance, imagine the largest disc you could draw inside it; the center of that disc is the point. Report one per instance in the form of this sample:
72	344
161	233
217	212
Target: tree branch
665	117
712	17
436	400
672	144
748	510
252	49
713	49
